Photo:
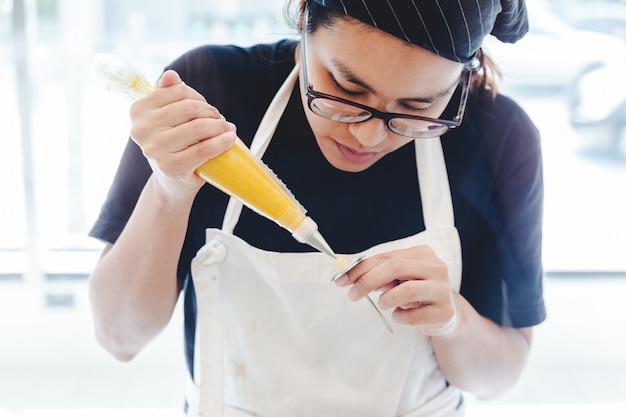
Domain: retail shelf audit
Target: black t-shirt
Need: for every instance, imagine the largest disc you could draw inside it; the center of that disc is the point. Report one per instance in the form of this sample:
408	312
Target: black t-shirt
494	167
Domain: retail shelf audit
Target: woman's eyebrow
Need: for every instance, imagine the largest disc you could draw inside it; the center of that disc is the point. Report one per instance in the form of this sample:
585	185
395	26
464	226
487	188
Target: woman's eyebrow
352	78
349	75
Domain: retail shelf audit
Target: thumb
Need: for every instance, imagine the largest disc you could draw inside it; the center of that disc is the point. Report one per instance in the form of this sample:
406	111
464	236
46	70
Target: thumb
169	78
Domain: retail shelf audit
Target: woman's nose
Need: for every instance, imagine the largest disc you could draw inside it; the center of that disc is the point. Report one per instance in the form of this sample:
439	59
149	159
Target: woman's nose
369	133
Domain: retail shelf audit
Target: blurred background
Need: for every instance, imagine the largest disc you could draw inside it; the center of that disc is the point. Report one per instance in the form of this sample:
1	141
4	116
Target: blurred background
62	138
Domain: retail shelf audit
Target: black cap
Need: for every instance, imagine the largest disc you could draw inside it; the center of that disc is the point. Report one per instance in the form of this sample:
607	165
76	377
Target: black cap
453	29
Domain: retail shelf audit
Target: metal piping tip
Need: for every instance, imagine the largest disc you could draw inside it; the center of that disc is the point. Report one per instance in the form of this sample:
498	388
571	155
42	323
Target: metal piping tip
317	241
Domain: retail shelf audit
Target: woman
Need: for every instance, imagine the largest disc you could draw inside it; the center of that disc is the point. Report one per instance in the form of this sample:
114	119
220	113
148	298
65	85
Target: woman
366	95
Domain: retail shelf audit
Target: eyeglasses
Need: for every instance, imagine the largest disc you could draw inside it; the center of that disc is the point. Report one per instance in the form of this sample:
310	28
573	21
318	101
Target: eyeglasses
418	127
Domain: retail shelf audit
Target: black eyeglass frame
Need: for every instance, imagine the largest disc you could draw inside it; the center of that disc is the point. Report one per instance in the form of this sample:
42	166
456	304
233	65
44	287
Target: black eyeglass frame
446	125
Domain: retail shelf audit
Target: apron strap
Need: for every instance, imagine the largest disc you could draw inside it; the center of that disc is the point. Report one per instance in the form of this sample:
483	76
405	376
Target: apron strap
434	185
261	140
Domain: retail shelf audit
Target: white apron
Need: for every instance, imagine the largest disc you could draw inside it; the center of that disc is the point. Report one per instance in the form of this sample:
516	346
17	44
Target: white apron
275	339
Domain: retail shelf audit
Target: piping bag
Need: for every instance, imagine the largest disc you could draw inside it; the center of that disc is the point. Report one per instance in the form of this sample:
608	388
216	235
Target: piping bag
237	172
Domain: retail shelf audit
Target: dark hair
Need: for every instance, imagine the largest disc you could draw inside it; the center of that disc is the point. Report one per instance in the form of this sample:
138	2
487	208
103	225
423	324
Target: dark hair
484	82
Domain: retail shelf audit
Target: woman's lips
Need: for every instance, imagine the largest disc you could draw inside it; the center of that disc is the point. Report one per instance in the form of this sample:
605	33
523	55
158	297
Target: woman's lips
354	156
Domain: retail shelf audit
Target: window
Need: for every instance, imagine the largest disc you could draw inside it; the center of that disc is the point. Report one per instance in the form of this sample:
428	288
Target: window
63	136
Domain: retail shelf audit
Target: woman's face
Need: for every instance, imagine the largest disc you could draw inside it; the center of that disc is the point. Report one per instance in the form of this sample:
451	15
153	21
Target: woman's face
356	62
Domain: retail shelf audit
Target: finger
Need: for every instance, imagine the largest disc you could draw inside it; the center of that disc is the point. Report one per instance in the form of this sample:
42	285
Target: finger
415	316
413	304
169	131
358	272
184	162
431	319
385	272
169	78
188	136
170	90
389	286
185	110
198	130
421	303
211	148
162	110
175	93
409	294
393	262
424	291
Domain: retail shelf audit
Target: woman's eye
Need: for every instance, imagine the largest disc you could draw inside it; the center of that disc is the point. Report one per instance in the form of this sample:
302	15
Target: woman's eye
410	109
344	90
